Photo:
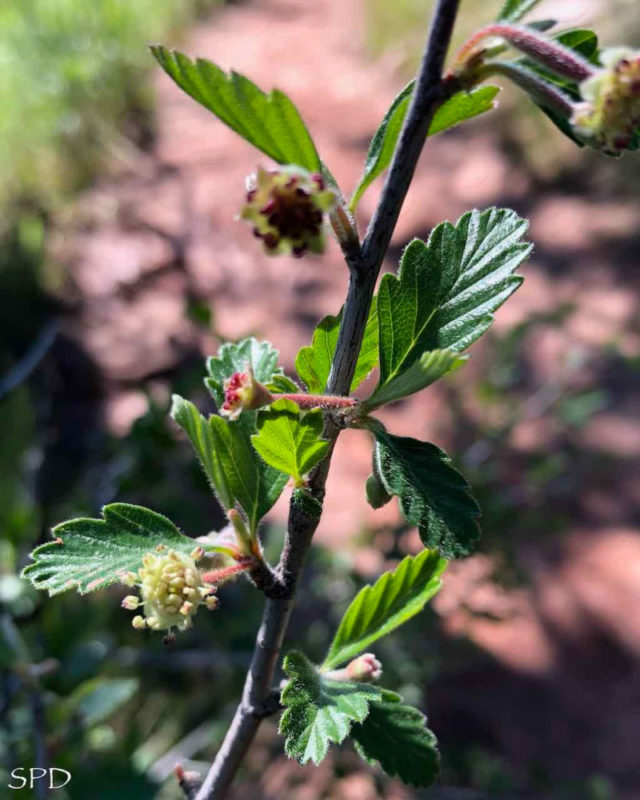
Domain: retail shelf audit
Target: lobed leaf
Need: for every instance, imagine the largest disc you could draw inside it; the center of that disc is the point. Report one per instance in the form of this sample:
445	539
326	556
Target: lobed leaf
430	367
396	736
89	554
446	290
433	495
462	106
290	441
319	711
234	357
393	599
270	122
313	362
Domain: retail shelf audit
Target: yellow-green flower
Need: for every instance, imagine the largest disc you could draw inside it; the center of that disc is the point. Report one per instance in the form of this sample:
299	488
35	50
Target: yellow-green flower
286	207
171	589
609	117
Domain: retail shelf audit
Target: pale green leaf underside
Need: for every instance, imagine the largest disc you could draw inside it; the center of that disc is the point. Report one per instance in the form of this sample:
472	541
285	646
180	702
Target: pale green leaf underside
89	554
290	441
313	363
447	289
429	368
235	472
396	736
319	712
514	10
269	122
379	609
234	357
96	699
433	495
462	106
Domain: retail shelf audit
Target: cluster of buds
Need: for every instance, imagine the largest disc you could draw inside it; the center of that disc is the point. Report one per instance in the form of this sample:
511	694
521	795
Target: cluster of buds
609	117
171	588
363	669
286	207
242	392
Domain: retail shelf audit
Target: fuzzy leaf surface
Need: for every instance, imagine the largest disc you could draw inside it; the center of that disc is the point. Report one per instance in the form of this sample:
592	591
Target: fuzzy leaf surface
313	362
271	123
433	495
318	711
396	736
462	106
234	357
430	367
290	441
393	599
89	554
447	289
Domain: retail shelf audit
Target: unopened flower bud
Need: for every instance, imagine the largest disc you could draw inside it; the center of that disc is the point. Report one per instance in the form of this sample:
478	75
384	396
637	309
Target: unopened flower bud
242	392
130	602
609	117
365	668
286	207
129	578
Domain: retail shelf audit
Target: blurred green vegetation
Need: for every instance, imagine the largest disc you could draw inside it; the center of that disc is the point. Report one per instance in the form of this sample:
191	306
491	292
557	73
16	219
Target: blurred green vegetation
71	81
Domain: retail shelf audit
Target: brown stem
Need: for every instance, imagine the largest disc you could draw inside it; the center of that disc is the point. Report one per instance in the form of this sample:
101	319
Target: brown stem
364	266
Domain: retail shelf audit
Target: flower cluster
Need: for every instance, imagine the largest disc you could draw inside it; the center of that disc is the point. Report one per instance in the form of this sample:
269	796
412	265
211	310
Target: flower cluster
609	117
242	392
172	589
286	207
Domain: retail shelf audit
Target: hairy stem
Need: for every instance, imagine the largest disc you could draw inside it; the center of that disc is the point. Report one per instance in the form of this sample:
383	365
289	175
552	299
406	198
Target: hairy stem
364	265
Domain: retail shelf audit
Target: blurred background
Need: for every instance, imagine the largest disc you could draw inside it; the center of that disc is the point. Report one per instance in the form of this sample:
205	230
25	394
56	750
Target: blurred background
121	267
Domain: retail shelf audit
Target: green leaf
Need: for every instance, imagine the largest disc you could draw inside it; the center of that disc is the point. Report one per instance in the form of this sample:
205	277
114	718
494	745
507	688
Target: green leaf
269	122
89	554
313	363
96	699
255	484
319	711
462	106
396	736
514	10
430	367
432	494
289	441
200	435
447	289
234	357
232	466
379	609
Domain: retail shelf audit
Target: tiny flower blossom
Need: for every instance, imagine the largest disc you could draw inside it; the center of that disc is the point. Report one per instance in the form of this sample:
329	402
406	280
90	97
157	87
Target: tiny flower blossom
286	207
609	117
242	392
172	589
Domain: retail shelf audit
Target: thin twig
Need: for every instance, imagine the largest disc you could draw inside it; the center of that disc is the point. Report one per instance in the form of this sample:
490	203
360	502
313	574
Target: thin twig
364	266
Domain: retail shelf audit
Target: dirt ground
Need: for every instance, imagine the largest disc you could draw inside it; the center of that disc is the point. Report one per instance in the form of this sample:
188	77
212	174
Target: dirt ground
561	679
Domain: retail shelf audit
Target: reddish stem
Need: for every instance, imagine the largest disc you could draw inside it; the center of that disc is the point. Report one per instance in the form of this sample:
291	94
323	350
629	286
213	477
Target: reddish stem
553	55
220	575
307	401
